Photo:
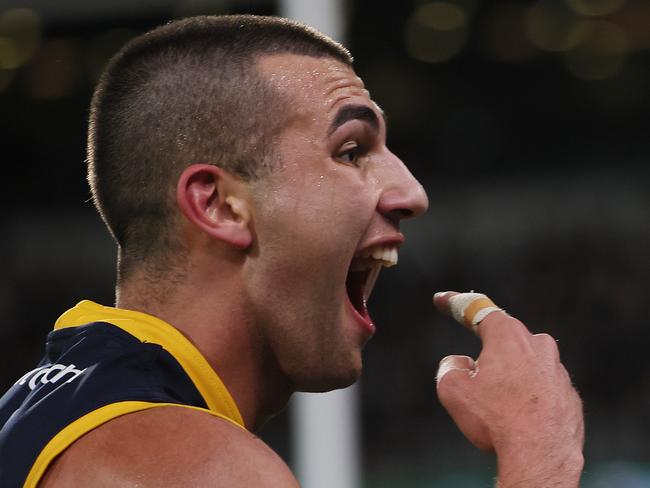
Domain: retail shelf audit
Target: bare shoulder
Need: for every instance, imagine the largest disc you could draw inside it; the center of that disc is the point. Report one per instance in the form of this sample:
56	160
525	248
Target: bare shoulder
168	446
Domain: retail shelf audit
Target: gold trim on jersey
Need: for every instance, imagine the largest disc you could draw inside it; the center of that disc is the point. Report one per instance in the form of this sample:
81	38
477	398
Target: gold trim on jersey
88	422
148	328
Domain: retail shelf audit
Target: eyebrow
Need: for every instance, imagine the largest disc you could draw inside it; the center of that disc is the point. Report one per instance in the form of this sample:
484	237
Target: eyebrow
354	112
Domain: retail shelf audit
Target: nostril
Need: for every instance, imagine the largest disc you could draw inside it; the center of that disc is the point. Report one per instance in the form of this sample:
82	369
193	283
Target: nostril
398	214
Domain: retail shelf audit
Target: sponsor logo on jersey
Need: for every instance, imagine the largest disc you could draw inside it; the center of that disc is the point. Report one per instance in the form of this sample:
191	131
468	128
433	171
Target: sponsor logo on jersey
50	374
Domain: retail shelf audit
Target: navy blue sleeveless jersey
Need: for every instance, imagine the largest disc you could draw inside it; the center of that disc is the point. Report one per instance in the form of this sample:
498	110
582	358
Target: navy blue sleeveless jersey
92	373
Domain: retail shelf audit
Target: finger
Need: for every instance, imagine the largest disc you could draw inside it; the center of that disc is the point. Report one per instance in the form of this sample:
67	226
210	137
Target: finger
471	308
477	312
441	301
468	309
455	392
455	363
451	381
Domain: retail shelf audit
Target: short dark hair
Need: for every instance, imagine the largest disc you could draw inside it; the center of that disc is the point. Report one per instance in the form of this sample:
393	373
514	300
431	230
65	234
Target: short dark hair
185	92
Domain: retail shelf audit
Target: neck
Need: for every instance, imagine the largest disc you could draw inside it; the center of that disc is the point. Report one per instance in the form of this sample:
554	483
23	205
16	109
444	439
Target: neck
217	320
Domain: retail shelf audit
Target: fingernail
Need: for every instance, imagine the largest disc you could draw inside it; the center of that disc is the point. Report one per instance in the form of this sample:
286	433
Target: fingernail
440	294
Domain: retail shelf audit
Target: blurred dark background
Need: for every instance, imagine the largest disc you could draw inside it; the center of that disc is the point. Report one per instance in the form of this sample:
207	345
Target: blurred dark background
527	122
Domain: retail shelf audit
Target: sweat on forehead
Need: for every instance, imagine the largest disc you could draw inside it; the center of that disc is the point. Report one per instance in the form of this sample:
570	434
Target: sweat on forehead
294	73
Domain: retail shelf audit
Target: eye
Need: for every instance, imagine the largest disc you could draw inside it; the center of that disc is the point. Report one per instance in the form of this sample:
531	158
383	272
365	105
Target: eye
349	153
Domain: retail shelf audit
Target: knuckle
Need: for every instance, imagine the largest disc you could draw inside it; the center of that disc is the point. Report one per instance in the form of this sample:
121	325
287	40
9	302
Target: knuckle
547	343
546	339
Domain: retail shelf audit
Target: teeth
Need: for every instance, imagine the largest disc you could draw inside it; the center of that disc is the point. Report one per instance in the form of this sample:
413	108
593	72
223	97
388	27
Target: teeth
373	259
386	255
372	279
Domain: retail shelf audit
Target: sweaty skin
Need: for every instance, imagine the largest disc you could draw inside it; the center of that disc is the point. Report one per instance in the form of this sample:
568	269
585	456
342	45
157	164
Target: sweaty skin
265	301
265	285
336	192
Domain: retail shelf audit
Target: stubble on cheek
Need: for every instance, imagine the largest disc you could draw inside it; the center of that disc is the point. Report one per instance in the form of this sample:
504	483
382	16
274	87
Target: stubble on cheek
304	327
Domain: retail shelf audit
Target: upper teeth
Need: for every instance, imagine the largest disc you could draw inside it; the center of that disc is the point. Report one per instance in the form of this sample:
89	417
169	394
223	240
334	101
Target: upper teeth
387	255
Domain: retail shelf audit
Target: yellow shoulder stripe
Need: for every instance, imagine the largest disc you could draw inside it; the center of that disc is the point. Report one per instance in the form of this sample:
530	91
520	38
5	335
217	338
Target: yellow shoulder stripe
88	422
148	328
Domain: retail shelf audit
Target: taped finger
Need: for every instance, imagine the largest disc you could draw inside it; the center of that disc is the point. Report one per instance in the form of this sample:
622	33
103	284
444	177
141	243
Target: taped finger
470	309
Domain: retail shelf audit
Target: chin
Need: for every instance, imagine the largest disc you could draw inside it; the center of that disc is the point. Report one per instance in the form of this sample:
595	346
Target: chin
333	378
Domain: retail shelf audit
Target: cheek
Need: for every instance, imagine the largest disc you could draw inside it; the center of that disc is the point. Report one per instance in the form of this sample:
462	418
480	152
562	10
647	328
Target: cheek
317	224
307	232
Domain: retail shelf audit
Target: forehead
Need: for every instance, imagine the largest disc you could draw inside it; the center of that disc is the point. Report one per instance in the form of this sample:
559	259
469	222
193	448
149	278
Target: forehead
314	84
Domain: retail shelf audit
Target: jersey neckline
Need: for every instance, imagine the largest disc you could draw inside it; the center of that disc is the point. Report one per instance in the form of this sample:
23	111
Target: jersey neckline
148	328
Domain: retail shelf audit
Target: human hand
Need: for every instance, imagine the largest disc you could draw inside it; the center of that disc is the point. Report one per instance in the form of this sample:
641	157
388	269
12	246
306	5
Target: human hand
516	399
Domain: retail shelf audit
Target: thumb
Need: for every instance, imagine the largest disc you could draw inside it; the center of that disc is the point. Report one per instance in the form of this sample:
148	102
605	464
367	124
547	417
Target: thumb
453	374
454	363
455	392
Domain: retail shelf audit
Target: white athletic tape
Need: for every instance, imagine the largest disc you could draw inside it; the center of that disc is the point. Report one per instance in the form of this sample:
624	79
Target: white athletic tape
459	303
470	309
484	312
451	363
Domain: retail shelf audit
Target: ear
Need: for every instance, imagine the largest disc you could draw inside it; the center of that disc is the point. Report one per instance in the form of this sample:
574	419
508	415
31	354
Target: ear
215	201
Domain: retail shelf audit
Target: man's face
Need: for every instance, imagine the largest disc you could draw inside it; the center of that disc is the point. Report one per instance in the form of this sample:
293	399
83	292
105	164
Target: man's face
337	196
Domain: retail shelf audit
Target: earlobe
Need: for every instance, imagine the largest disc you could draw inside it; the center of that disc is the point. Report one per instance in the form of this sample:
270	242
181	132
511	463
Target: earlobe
214	201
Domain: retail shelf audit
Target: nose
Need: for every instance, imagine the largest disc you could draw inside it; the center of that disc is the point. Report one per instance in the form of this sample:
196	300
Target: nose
402	197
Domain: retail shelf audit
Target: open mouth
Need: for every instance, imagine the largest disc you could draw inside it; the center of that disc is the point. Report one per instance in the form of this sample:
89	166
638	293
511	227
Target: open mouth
363	274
